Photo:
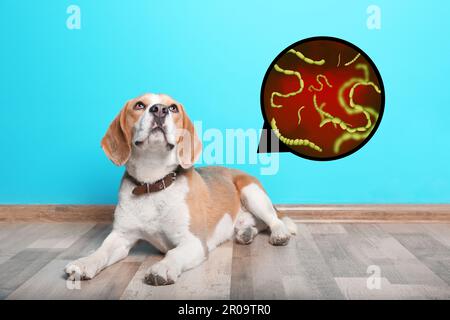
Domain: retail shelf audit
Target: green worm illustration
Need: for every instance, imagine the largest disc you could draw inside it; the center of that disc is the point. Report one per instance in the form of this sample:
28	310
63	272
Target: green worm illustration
286	95
293	142
311	87
353	60
306	59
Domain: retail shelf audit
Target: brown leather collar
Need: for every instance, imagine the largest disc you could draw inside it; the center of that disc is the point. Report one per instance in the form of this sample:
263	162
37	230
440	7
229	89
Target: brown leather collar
144	188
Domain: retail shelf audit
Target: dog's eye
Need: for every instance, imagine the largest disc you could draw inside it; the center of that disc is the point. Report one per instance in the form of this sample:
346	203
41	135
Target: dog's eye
173	108
139	106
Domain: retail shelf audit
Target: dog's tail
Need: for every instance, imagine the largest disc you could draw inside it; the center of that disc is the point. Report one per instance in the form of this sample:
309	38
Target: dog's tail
288	222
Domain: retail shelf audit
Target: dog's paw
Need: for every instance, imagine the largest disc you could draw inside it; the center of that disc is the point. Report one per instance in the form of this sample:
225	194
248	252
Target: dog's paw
280	235
246	235
81	269
162	273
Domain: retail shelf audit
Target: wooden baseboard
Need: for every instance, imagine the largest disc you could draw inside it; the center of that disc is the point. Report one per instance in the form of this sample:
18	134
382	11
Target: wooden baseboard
431	213
56	213
368	212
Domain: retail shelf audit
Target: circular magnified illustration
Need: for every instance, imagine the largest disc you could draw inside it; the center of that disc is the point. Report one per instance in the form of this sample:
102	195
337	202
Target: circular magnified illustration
323	98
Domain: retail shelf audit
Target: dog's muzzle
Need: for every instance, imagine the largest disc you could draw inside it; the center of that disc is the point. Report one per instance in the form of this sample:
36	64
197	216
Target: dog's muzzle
159	112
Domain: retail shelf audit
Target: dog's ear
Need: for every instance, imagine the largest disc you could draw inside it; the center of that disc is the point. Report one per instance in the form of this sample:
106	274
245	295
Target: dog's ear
189	145
117	141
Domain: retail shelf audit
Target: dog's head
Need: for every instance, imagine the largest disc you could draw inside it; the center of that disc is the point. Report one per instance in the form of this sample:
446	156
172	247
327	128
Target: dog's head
152	123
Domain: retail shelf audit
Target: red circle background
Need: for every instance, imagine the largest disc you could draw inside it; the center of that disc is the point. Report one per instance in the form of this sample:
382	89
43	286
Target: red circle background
287	117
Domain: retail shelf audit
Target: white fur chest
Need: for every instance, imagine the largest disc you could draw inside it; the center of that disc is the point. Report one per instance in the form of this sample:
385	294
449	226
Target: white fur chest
162	217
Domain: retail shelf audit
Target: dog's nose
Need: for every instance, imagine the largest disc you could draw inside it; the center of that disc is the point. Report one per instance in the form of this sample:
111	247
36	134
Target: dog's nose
159	110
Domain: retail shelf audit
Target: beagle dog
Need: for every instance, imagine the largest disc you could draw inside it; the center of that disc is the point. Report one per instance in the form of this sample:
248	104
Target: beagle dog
183	212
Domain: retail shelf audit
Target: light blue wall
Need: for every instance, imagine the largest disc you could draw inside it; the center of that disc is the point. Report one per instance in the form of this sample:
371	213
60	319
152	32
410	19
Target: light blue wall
60	89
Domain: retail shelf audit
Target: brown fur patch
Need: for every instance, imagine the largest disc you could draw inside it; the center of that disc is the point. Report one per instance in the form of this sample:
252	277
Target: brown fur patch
212	194
241	180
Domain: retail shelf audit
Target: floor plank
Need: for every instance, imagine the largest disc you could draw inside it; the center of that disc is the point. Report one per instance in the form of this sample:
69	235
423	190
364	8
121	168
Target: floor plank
19	268
241	282
356	288
61	235
210	280
22	236
440	232
326	228
51	283
88	243
337	253
8	229
267	268
311	277
432	253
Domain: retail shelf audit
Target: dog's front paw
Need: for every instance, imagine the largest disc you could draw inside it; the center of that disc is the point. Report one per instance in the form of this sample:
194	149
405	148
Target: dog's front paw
162	273
280	235
81	269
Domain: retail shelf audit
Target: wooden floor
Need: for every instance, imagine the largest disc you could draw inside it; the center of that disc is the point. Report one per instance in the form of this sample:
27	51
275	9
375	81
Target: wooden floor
324	261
